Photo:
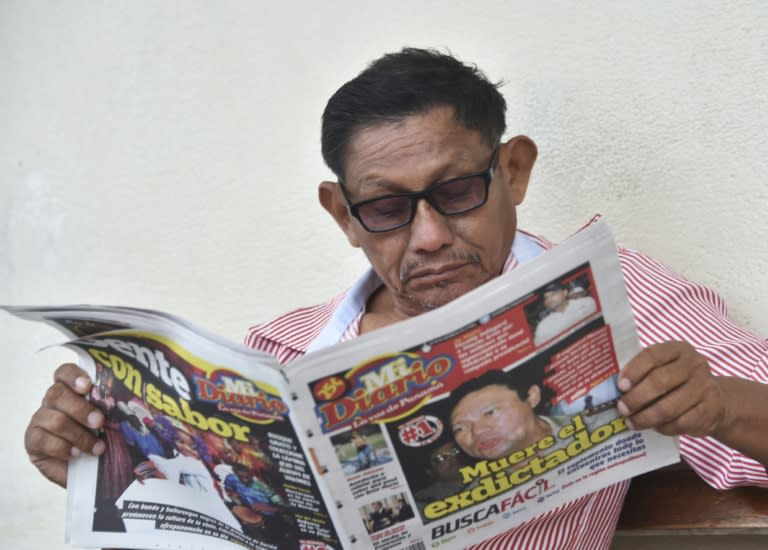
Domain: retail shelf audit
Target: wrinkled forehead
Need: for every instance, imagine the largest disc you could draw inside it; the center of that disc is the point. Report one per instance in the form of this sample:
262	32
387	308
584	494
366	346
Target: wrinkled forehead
422	142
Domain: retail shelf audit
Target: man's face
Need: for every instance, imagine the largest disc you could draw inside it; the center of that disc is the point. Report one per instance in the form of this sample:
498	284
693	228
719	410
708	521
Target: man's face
435	258
555	299
245	476
493	422
445	462
185	444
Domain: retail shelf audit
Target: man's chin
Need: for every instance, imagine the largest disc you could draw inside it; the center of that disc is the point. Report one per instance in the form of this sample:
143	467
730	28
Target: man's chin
435	297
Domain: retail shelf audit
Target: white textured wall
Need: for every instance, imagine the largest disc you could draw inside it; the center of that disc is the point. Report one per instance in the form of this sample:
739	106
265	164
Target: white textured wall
167	156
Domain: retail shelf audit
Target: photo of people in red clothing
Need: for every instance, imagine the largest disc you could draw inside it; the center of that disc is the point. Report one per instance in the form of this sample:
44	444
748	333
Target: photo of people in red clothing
240	480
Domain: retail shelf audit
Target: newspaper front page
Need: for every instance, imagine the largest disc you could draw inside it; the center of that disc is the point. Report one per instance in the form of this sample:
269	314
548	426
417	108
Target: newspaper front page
491	410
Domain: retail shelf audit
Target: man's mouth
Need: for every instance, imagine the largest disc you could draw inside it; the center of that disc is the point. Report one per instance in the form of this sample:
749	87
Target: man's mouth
433	275
487	444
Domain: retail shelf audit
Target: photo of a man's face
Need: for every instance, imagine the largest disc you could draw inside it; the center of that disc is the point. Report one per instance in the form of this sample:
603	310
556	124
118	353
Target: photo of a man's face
494	421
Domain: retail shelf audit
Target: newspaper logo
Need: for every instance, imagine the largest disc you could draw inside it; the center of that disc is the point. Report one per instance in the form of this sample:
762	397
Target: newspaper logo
383	389
239	396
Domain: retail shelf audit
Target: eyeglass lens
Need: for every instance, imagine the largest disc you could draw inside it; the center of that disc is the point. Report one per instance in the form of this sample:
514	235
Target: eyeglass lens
450	197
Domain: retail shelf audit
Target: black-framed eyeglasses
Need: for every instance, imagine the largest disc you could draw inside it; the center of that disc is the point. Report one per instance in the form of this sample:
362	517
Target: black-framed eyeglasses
449	197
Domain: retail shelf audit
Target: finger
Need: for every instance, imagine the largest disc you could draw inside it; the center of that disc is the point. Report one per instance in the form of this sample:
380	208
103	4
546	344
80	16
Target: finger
41	443
697	421
60	397
52	433
55	470
74	377
658	382
647	360
694	407
662	411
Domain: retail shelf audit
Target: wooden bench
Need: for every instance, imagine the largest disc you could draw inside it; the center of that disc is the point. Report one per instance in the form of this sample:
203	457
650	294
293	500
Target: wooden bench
675	501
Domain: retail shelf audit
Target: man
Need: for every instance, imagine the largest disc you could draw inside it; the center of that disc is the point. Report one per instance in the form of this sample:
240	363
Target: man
256	505
429	190
379	517
442	470
137	435
245	489
365	455
562	311
491	417
402	510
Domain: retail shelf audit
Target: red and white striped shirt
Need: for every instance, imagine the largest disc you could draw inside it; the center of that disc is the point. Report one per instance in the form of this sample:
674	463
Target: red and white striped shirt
666	307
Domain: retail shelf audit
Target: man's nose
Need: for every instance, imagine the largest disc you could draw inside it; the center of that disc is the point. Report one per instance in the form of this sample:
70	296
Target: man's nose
480	427
430	230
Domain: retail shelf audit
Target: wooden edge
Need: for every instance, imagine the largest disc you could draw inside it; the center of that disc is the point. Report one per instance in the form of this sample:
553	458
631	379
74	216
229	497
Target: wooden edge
674	500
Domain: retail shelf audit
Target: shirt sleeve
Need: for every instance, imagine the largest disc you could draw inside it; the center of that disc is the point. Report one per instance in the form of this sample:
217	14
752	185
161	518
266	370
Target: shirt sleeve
287	336
667	307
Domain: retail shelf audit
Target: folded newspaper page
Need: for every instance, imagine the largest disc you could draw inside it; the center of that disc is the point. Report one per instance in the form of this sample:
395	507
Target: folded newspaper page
442	430
202	445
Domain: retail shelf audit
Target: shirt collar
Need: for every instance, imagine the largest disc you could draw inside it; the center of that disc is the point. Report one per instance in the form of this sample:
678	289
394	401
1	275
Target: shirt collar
524	249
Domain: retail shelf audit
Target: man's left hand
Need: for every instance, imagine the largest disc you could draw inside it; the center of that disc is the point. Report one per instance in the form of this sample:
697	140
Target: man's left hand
669	387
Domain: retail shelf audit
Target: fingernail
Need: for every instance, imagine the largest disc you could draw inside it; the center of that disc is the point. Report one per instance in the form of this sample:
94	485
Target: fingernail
74	451
82	383
98	448
622	408
629	424
94	419
624	384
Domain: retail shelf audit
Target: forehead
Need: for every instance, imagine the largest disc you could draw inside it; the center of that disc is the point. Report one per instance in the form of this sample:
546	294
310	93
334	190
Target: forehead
489	394
554	292
418	147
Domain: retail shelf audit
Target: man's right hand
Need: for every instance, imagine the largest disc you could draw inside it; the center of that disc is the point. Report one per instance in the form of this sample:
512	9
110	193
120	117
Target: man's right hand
63	425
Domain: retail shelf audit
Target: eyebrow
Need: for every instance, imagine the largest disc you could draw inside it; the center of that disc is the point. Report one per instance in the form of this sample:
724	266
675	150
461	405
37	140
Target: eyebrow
485	407
375	181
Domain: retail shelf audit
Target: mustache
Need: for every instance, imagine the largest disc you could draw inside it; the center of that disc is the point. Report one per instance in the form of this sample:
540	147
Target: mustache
460	256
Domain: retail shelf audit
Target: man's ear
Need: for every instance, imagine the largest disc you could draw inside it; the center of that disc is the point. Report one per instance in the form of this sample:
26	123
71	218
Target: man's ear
534	396
516	159
335	204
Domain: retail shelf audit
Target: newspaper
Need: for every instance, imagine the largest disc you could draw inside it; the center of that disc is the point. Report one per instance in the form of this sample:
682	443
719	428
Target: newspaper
442	430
